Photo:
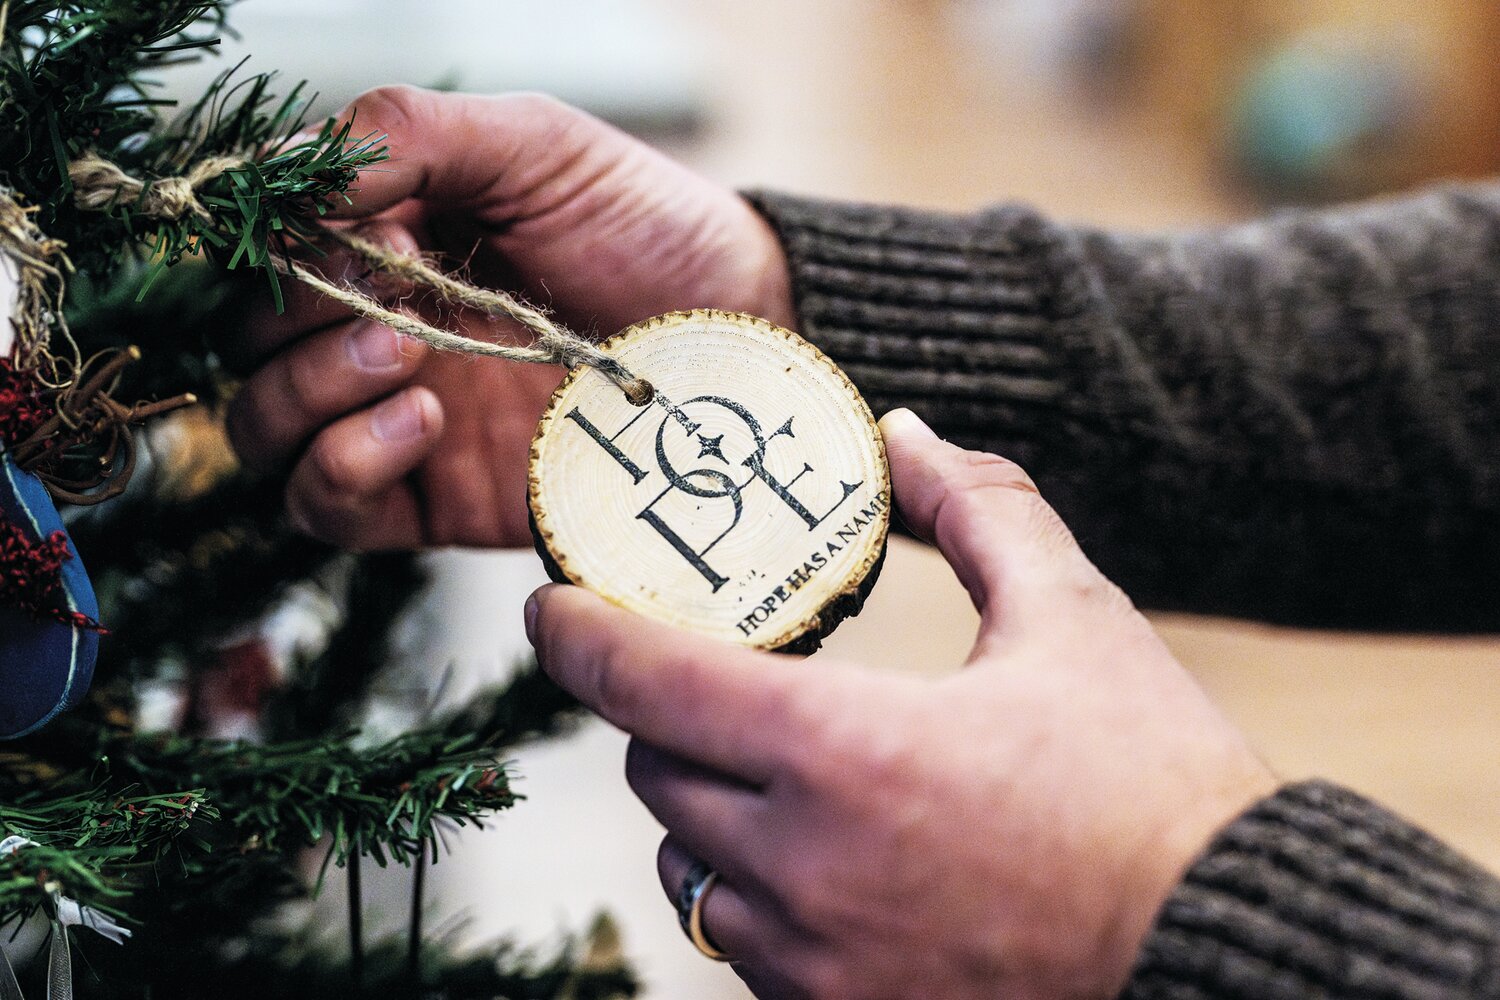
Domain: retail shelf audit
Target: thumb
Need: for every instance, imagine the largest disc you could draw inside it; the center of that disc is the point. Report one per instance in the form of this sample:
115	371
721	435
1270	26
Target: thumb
985	515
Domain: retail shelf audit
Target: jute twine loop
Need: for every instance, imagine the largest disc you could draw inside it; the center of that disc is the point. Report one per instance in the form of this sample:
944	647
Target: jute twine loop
552	344
78	392
41	269
100	185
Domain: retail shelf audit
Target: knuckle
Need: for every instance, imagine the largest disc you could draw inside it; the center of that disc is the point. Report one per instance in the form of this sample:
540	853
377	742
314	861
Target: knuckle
803	891
1079	583
838	746
823	980
389	107
808	715
609	673
309	516
694	683
302	384
967	502
974	488
861	766
640	769
664	865
534	103
1046	525
988	484
1104	591
783	703
884	757
986	469
551	128
333	469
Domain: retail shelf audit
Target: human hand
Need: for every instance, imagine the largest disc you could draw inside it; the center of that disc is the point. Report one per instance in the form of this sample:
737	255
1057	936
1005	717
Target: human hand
393	445
1007	831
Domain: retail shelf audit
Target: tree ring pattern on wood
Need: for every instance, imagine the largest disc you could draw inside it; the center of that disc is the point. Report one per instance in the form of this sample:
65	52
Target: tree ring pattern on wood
749	500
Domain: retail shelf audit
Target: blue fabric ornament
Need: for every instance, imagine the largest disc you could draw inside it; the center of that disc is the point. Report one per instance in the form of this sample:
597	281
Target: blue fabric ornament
45	665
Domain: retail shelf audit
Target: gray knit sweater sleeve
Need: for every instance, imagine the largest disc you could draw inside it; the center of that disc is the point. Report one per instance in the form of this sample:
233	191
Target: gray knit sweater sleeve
1317	893
1296	420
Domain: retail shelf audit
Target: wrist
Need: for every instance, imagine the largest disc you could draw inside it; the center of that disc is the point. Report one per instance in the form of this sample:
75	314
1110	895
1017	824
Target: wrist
1165	857
771	275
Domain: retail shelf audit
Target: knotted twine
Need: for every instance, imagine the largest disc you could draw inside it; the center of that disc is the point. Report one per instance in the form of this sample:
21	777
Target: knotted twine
78	403
100	185
41	270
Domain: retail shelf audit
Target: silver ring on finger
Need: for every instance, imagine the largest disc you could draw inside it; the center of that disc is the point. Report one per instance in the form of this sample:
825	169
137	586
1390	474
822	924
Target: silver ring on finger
696	886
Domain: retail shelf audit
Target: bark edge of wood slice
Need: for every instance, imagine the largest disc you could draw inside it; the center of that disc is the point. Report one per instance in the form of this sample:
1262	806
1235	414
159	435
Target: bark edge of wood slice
629	501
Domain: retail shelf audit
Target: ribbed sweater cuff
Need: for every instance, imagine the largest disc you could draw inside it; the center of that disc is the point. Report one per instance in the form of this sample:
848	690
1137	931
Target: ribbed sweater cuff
1318	893
958	317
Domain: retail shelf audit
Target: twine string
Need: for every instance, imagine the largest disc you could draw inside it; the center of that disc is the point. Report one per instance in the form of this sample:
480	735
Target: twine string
40	269
100	185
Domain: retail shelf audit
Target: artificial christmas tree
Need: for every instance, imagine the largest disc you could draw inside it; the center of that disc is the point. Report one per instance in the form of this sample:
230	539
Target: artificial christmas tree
131	237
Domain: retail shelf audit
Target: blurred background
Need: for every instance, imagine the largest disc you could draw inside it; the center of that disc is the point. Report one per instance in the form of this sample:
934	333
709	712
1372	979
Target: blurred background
1129	113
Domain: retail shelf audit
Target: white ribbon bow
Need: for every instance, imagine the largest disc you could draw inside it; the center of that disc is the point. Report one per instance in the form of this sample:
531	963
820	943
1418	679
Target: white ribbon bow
70	912
66	913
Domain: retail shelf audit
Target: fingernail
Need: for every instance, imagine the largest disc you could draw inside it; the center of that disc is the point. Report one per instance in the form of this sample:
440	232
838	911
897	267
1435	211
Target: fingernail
529	614
374	347
399	419
904	421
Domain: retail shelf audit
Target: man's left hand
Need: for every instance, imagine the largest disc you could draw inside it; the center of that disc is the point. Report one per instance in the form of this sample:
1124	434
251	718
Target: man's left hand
1007	831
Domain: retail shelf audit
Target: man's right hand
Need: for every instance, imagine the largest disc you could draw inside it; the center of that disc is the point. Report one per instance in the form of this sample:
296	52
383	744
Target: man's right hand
392	445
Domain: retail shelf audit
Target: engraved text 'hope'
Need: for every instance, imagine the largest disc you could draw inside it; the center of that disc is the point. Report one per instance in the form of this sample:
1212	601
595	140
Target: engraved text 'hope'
708	482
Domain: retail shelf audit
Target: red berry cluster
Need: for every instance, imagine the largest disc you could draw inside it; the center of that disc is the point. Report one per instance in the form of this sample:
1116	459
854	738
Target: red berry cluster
22	408
31	575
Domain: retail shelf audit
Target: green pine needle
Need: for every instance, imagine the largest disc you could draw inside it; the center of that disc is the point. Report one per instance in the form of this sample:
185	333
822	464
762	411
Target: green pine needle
75	79
205	874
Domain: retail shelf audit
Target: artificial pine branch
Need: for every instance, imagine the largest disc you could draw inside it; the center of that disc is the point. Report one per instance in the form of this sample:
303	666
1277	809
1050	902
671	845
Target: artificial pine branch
104	819
268	199
70	73
530	706
90	842
276	799
179	572
26	874
269	800
180	327
73	78
64	64
388	797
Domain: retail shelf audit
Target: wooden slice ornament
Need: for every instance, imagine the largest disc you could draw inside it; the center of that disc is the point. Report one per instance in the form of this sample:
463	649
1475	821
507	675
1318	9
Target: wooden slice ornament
705	468
748	500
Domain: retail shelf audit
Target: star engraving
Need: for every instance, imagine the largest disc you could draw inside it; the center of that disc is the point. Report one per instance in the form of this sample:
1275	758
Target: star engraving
711	446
